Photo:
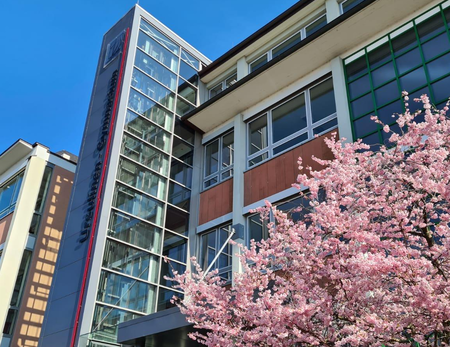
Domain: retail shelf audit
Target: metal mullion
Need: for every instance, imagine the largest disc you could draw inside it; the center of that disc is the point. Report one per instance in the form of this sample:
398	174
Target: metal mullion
180	184
184	99
172	289
189	83
324	120
291	137
145	142
119	308
131	245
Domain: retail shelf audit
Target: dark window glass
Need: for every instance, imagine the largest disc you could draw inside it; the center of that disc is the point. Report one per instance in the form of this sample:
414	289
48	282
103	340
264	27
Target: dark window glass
179	196
436	46
184	131
362	105
258	63
182	150
187	91
383	74
288	118
409	61
183	107
404	42
379	55
175	247
414	106
167	269
20	279
212	158
126	292
430	27
356	68
181	173
258	134
153	89
134	231
290	143
10	321
177	220
188	73
227	150
257	159
349	4
322	100
439	67
385	113
359	86
165	297
292	41
316	25
441	89
373	141
447	15
138	204
211	182
387	93
413	80
364	125
292	208
325	126
257	229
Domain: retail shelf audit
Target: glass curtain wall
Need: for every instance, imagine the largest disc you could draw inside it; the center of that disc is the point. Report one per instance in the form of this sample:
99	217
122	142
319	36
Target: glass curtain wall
150	211
414	58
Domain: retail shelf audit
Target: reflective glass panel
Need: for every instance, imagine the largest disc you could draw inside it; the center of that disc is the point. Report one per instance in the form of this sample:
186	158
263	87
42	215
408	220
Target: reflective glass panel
156	70
359	86
184	132
183	107
175	247
436	46
177	220
316	25
134	231
325	126
386	113
387	93
290	143
179	196
441	89
413	80
296	209
215	90
257	228
211	157
383	74
188	73
181	173
140	205
188	58
147	131
125	292
322	100
142	179
373	141
149	109
146	155
288	118
258	134
439	67
167	269
182	150
187	91
257	159
158	52
404	42
349	4
362	105
356	68
408	61
164	298
227	150
364	125
258	63
153	89
290	42
130	261
160	37
9	193
379	55
430	27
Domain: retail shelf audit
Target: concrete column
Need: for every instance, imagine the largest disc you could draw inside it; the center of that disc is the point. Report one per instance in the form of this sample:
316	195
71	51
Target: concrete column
242	69
333	10
340	93
18	234
238	185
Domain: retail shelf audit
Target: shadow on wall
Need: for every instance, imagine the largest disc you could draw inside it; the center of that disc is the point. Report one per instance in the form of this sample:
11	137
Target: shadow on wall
42	267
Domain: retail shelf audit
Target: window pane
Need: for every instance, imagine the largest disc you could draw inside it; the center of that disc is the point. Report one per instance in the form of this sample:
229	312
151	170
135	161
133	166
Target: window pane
284	46
149	109
227	150
364	125
316	25
145	154
288	118
373	141
441	89
167	270
216	90
142	179
182	150
183	107
430	27
130	261
6	194
230	80
177	220
138	204
258	63
208	250
258	134
158	52
190	59
322	100
359	86
125	292
383	74
181	173
379	55
414	106
160	37
325	127
290	143
175	247
153	89
291	208
404	42
385	114
413	80
179	196
439	67
165	297
356	68
362	105
10	321
156	70
183	131
134	231
147	131
257	228
20	279
188	73
408	61
387	93
436	46
349	4
257	159
187	91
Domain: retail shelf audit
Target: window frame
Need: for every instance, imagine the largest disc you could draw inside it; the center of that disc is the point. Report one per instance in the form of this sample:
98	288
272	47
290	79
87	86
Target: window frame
15	194
302	33
220	170
341	5
223	84
268	150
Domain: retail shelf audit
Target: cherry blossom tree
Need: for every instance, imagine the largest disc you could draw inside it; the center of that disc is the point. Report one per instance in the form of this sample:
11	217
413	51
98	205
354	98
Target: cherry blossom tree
369	265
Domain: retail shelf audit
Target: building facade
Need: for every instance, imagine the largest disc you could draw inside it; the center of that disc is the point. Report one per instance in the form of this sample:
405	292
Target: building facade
35	186
178	150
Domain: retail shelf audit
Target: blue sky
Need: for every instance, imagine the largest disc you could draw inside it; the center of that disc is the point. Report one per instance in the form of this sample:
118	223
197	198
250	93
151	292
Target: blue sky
49	51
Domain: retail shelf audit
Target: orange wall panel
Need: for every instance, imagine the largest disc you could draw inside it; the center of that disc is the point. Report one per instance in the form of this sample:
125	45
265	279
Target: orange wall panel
216	202
281	172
